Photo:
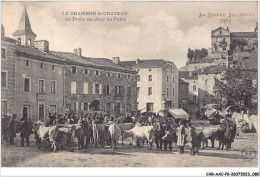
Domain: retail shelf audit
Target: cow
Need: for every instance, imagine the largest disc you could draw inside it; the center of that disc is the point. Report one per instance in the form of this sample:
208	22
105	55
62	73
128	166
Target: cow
115	133
140	133
66	133
98	134
193	138
212	132
45	133
123	127
227	137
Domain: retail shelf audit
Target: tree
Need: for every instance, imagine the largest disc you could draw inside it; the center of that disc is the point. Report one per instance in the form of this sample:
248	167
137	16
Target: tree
236	87
190	54
94	105
203	53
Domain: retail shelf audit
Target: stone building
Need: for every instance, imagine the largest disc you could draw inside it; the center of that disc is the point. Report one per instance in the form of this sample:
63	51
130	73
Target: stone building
157	84
7	74
37	81
183	95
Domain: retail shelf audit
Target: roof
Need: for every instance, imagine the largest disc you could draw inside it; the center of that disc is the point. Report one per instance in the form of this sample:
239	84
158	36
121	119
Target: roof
153	63
186	75
102	63
30	51
24	27
182	82
7	39
127	63
243	34
212	69
219	28
69	58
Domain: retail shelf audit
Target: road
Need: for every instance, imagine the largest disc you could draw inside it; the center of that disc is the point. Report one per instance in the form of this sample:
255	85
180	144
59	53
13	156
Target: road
129	156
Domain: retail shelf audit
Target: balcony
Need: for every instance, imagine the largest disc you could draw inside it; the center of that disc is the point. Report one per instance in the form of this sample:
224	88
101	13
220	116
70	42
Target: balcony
41	96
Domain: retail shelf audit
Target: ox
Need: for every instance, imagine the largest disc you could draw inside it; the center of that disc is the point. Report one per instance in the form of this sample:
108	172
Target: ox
123	127
115	133
140	133
66	133
98	134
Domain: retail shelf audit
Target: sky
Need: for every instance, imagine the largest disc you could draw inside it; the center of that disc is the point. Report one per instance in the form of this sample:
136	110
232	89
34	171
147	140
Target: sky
152	30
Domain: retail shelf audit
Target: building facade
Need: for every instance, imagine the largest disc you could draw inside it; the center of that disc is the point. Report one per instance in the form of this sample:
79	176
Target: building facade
183	95
37	81
157	84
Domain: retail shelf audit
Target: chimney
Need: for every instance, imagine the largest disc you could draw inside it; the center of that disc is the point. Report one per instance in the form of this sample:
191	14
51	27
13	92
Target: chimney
138	61
116	60
2	30
42	45
77	51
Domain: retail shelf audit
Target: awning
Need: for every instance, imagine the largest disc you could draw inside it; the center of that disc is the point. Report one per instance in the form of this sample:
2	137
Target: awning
179	114
210	106
211	113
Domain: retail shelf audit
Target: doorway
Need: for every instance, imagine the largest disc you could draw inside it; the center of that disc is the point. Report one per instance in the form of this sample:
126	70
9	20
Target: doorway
41	112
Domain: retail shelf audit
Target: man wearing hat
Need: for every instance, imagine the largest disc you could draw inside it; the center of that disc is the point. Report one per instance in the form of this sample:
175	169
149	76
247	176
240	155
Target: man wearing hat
12	129
26	130
181	137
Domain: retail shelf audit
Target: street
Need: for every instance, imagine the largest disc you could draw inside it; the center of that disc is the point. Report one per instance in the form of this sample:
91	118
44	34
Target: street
129	156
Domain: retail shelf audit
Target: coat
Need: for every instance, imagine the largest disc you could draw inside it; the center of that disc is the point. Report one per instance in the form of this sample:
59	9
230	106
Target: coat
181	135
12	128
26	129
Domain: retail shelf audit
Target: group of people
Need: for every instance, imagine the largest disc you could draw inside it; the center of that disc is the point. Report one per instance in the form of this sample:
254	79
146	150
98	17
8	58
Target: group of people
9	129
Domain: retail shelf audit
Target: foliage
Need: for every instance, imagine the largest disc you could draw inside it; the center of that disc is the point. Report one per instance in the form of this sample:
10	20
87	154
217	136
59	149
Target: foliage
241	43
236	87
197	53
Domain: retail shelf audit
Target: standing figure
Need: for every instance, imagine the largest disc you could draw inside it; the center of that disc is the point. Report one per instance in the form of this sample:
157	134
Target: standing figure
181	137
167	138
158	132
12	129
26	130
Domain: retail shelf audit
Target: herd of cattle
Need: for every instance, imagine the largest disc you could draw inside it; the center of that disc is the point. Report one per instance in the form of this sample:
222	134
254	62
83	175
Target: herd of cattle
63	135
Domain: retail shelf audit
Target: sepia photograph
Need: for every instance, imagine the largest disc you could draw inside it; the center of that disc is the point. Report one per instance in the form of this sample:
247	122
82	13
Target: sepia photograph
129	84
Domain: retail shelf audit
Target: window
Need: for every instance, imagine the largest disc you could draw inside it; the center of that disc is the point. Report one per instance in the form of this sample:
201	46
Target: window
107	90
128	76
224	49
150	78
119	90
173	92
150	92
173	79
138	92
27	84
128	91
73	87
220	32
138	78
41	65
4	79
27	63
167	79
41	86
194	97
19	40
30	42
167	91
85	88
97	73
119	75
171	69
53	67
73	70
194	87
53	109
108	74
150	70
85	106
3	51
53	87
97	88
128	108
4	107
206	81
149	107
86	71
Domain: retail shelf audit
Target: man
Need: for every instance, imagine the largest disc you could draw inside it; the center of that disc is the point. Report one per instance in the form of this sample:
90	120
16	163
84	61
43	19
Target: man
26	130
4	123
158	132
12	129
181	137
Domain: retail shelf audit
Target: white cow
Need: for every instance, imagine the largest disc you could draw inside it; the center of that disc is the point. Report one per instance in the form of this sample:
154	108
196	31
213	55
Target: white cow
144	132
115	133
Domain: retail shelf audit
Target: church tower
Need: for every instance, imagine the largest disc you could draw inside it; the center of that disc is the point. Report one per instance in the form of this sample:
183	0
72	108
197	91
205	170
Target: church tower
24	34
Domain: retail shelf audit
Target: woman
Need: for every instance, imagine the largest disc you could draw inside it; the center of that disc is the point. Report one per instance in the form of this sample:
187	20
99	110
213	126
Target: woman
181	137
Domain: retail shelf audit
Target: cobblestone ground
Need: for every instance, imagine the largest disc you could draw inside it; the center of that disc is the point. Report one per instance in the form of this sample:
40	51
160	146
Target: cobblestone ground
129	156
